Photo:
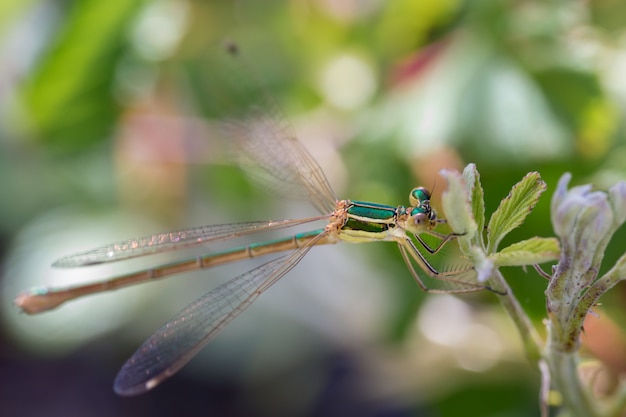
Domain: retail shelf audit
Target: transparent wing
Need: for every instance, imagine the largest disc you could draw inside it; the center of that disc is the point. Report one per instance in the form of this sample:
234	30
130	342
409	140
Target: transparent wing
265	144
271	154
169	241
176	342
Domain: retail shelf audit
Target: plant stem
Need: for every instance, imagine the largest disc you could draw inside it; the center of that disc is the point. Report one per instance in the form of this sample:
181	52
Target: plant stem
533	344
564	375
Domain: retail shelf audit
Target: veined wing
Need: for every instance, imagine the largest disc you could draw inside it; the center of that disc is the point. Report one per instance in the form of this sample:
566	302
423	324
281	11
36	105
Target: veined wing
169	241
265	143
176	342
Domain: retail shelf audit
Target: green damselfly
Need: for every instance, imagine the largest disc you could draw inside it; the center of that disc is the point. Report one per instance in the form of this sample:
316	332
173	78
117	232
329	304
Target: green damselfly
264	137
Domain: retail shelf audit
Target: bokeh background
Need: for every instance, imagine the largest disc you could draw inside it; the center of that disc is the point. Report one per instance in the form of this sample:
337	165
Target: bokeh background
102	108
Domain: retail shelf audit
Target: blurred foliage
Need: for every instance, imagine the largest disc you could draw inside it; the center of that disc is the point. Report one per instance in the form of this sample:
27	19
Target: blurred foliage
397	90
82	57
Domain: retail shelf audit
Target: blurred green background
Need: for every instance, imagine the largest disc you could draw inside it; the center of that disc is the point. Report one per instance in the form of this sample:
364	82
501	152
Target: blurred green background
103	109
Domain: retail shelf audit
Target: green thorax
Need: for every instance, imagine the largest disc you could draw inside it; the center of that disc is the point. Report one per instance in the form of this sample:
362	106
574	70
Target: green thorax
371	217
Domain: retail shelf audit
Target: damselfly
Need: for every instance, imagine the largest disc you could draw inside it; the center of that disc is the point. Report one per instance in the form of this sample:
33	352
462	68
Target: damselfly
262	137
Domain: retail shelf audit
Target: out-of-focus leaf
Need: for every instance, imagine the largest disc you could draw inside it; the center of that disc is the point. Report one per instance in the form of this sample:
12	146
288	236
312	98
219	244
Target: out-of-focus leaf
608	14
578	100
8	9
400	31
69	101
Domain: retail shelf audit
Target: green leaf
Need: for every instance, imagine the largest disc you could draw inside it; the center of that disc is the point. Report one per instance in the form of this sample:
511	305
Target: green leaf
69	99
617	200
477	197
514	208
456	207
533	251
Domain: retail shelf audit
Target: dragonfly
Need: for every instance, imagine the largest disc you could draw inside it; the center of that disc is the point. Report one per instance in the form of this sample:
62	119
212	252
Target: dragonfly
266	139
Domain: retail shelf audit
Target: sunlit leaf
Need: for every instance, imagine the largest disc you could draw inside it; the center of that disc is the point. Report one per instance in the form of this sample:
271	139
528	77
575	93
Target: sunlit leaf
477	196
456	206
514	208
536	250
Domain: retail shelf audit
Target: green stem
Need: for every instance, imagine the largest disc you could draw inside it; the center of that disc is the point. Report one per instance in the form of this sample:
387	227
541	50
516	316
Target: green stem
564	376
533	344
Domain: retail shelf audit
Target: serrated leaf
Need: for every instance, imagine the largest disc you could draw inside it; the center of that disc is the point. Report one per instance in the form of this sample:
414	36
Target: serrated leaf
533	251
477	197
456	207
513	210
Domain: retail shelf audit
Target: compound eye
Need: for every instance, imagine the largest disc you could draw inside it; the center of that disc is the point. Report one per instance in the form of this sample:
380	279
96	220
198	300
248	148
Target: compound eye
418	196
420	219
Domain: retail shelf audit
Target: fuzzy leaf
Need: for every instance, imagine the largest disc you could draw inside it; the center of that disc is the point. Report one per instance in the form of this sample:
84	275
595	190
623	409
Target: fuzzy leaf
514	208
483	265
477	197
456	207
535	250
617	199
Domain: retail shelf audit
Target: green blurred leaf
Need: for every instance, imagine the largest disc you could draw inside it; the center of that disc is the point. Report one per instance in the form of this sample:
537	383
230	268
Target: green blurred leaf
609	15
400	31
513	210
578	99
9	9
69	99
535	250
